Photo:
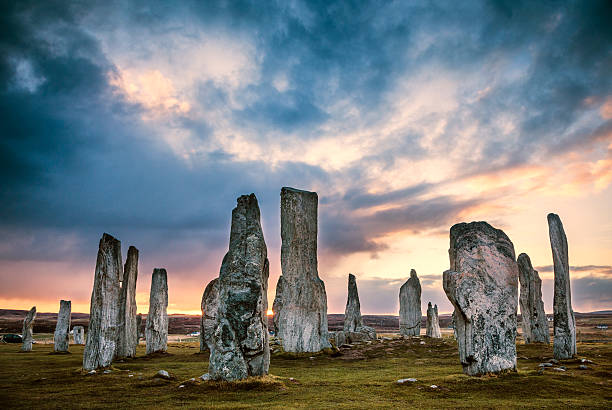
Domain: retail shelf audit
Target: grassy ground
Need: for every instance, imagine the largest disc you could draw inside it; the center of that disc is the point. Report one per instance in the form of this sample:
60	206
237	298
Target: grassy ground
362	377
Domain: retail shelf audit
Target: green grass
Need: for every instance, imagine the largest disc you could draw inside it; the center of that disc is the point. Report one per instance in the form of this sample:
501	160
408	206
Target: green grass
363	377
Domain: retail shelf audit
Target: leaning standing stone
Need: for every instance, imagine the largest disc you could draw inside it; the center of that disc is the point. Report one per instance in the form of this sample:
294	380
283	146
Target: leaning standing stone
240	346
157	319
210	305
564	323
78	334
27	335
410	306
61	337
101	339
535	325
300	305
433	324
482	285
127	339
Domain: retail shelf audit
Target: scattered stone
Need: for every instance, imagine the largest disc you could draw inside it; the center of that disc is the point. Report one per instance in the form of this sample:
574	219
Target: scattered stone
89	373
586	361
354	329
555	361
410	306
78	334
107	371
205	377
209	306
61	337
545	365
27	336
433	324
240	342
583	367
163	374
410	380
130	375
101	339
157	319
482	285
433	386
127	338
535	325
564	344
421	342
181	386
558	369
300	305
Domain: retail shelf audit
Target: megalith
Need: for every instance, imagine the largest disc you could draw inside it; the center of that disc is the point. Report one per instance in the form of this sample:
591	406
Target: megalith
240	347
482	285
27	335
410	306
433	324
61	337
564	323
78	335
127	339
101	341
535	325
354	328
210	305
300	305
157	318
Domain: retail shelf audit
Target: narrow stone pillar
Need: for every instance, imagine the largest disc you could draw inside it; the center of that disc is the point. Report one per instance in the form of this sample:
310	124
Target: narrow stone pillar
433	324
209	305
157	319
535	325
78	335
410	306
27	335
354	329
61	337
127	339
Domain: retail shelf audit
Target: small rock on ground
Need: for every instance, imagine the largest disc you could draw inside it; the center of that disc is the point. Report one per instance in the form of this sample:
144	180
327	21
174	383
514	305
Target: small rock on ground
410	380
163	374
205	377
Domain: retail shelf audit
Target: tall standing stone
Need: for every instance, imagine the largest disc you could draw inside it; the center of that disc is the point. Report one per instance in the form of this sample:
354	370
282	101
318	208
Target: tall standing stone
482	285
101	341
433	323
210	305
139	330
564	323
410	306
157	319
27	335
535	325
300	305
354	328
127	339
240	341
61	337
78	335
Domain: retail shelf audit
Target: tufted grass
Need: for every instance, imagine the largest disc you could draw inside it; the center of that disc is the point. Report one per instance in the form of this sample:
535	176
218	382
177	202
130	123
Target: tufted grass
362	377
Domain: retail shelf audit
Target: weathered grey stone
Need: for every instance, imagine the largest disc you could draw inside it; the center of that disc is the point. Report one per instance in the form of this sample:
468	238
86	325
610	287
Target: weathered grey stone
139	329
354	328
240	345
410	306
101	340
535	325
300	305
78	335
61	337
564	322
340	338
433	324
157	319
27	335
454	324
127	339
482	285
210	305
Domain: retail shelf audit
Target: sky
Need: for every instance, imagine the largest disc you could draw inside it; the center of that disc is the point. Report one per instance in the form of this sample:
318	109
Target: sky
147	119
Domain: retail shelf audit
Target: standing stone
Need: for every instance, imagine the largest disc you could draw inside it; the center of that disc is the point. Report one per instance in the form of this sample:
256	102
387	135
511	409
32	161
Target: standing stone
410	306
27	335
535	325
240	345
300	305
157	319
78	334
139	327
61	337
127	339
210	305
433	324
482	285
564	323
353	322
101	339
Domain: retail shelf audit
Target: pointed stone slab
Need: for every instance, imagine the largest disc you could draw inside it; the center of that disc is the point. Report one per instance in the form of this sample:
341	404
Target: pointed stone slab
410	306
482	285
27	335
433	323
535	325
564	322
61	337
210	305
157	319
240	345
300	305
127	339
354	329
101	341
